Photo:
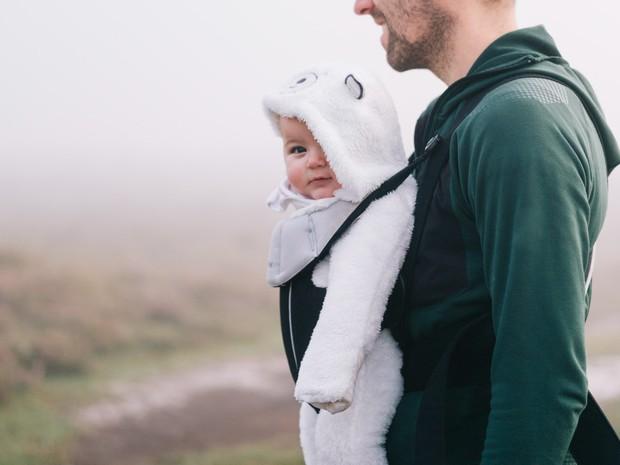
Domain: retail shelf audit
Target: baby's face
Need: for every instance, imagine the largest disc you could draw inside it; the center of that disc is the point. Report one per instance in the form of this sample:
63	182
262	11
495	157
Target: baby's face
307	168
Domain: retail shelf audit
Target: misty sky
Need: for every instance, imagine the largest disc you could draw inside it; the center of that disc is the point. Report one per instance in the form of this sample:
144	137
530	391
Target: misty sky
150	107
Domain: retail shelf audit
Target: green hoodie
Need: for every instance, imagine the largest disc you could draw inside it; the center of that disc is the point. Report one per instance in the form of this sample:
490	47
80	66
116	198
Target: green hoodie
526	185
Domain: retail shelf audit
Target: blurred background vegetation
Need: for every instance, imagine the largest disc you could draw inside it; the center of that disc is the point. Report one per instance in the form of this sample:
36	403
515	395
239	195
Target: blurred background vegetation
78	327
135	354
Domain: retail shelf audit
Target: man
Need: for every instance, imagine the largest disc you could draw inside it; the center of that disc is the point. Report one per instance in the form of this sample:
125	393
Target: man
510	232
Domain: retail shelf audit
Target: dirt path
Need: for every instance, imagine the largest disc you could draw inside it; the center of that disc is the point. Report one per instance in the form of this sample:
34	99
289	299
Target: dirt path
215	405
218	405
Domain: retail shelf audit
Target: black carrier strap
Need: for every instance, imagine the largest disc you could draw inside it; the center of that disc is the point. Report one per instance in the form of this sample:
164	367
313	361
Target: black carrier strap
594	441
436	151
387	186
430	439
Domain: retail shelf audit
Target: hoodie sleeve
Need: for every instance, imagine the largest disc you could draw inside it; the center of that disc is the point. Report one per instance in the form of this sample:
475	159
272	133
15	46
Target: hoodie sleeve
526	183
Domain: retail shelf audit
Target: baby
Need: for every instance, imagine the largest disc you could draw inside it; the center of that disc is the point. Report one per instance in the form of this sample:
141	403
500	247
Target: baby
337	268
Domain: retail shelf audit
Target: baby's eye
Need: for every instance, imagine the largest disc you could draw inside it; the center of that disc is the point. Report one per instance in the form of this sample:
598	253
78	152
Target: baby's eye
297	149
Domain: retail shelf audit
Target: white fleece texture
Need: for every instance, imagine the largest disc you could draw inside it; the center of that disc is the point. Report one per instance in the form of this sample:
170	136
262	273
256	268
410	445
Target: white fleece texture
363	268
356	436
308	433
320	274
350	369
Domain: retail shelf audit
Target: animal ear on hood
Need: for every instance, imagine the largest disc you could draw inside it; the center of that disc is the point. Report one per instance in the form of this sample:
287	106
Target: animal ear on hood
354	86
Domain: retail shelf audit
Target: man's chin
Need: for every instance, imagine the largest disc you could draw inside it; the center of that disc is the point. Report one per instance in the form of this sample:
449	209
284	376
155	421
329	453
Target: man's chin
395	63
392	56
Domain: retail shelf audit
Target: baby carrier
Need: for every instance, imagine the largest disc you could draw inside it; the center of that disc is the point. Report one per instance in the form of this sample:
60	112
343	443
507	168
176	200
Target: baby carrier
594	441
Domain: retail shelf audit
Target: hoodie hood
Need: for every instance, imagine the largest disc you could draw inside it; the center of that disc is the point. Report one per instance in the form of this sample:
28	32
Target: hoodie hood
352	117
522	51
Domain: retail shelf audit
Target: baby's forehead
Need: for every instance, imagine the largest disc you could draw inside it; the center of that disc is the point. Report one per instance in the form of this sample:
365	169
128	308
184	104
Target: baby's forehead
294	127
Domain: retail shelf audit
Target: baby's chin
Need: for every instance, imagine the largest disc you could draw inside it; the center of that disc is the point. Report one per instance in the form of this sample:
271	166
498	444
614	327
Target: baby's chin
323	192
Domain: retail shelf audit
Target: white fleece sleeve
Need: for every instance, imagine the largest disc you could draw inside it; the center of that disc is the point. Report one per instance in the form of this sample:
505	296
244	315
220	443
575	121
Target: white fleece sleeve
364	265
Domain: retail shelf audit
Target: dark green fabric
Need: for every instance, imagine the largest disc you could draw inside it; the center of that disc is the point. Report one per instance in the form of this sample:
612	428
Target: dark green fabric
528	183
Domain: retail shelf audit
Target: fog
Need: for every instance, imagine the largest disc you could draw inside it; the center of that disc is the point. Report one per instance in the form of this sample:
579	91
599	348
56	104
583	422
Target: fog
132	118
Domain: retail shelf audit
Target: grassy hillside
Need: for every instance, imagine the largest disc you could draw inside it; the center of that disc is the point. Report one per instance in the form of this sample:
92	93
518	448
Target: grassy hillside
66	330
74	317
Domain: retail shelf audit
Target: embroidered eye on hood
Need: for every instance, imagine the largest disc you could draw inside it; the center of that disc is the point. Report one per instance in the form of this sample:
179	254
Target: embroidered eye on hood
352	117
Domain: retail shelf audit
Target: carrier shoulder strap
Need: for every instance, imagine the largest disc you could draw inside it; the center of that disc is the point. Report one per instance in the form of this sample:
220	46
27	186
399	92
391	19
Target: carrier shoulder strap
594	441
436	151
386	187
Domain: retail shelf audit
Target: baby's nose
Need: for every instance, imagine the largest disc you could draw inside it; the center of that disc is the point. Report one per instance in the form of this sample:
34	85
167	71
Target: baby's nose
316	158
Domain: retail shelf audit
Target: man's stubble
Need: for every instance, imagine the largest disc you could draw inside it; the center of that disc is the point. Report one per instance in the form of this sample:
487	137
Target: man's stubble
432	26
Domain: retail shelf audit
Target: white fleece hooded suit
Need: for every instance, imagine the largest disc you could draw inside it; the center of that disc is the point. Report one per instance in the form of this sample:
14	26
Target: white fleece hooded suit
351	369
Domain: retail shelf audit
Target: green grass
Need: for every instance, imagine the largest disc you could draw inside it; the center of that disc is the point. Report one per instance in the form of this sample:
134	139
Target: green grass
57	321
35	425
274	452
66	333
33	432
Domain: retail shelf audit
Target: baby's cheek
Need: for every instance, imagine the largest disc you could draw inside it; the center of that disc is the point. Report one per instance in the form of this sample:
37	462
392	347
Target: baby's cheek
296	179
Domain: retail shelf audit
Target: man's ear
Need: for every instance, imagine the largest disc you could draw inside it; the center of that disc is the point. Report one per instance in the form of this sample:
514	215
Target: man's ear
354	86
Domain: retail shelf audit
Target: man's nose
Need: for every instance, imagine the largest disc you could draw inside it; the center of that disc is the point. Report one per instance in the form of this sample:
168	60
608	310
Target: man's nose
363	7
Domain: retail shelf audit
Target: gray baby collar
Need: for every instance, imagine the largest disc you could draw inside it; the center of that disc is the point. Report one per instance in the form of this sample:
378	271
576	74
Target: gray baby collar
297	241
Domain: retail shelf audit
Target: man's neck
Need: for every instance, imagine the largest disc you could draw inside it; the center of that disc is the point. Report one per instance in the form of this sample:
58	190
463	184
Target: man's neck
471	36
